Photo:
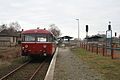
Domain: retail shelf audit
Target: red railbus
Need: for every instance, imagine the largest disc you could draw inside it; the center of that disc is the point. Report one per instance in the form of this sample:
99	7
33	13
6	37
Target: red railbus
37	42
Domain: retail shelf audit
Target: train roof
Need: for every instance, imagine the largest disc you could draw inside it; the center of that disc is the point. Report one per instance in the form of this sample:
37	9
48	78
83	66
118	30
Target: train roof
36	31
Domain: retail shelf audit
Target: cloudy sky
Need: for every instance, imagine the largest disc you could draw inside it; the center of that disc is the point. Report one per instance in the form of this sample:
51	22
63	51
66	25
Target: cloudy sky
41	13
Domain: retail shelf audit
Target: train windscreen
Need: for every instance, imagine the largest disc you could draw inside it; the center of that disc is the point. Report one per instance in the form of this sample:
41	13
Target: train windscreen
37	38
29	38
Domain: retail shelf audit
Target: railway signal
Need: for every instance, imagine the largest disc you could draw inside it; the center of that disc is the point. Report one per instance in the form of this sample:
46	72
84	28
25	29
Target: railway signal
115	34
87	31
109	38
109	26
86	28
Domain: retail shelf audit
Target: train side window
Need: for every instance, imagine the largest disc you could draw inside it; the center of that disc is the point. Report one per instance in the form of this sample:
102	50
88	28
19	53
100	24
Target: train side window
54	39
50	39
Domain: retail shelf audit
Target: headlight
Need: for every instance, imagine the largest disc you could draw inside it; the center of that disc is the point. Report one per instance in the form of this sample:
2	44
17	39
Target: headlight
44	46
26	46
23	48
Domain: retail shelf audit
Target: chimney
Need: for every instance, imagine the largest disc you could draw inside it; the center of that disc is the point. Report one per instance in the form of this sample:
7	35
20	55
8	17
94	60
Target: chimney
44	28
22	30
37	27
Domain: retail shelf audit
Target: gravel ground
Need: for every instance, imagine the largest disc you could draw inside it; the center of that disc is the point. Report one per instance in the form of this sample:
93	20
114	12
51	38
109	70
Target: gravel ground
70	67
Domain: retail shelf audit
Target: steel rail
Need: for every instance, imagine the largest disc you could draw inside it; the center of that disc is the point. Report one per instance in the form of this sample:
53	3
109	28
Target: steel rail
14	70
37	70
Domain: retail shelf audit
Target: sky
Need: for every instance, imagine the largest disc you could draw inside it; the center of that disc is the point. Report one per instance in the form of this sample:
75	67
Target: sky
31	14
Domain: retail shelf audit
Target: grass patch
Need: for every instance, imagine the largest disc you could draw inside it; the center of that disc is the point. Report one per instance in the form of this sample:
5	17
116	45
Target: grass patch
109	68
6	67
19	60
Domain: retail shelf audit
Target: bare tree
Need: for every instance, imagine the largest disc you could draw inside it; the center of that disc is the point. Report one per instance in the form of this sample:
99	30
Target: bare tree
3	26
55	30
15	26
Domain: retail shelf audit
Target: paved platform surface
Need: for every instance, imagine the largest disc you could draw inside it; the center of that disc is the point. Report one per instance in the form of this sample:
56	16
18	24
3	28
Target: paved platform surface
69	67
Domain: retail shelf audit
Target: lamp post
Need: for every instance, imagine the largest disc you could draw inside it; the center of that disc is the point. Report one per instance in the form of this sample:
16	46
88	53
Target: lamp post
119	39
78	34
78	29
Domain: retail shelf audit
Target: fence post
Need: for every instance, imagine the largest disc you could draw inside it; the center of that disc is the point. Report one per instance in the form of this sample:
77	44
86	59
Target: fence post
89	47
83	45
103	50
112	51
92	47
80	44
97	48
86	46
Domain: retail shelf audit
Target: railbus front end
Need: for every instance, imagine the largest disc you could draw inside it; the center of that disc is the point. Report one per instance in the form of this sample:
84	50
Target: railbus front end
38	43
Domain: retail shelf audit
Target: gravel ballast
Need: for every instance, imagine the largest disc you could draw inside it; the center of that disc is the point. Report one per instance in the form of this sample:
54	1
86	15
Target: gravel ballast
70	67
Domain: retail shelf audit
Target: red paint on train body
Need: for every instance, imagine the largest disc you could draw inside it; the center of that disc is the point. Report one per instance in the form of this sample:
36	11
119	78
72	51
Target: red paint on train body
38	42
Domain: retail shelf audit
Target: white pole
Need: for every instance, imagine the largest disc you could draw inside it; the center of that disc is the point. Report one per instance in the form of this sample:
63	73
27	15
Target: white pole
78	30
78	33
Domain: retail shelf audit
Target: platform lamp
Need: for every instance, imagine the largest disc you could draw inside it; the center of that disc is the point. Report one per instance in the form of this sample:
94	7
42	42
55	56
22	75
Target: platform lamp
78	33
86	31
78	30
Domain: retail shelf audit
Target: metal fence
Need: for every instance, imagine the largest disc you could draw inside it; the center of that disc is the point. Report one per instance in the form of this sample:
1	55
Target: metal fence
102	49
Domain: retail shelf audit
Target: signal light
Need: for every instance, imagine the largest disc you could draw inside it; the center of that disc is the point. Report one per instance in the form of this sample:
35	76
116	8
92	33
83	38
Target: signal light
109	27
86	28
115	34
44	46
23	48
26	46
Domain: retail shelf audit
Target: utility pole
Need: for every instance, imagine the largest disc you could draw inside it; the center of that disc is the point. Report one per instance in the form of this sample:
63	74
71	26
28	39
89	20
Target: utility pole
78	33
78	30
86	31
119	39
109	38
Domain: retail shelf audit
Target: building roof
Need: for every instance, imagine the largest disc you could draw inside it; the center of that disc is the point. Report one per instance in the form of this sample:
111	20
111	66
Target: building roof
38	31
95	37
65	37
7	33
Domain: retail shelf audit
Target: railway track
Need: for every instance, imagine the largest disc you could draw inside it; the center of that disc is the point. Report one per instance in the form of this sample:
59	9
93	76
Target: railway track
28	71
